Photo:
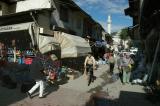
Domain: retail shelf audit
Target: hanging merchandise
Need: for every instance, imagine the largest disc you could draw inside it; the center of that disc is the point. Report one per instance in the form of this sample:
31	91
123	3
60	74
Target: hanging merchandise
10	55
28	61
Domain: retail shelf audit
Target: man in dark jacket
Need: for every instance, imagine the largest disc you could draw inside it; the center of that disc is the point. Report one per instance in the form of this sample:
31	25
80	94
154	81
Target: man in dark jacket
36	71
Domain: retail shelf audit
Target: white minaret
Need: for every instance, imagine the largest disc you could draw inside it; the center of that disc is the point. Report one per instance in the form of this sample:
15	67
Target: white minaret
109	22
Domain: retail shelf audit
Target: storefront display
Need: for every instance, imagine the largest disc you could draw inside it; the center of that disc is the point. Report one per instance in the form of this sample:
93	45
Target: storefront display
17	49
21	56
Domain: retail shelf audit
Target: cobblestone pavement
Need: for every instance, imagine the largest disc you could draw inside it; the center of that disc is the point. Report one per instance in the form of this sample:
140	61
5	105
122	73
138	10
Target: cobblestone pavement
77	93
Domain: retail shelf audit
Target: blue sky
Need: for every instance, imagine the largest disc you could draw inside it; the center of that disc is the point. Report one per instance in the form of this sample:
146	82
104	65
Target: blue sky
100	9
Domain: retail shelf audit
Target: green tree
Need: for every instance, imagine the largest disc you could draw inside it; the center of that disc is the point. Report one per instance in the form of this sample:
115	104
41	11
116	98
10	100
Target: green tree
124	34
109	39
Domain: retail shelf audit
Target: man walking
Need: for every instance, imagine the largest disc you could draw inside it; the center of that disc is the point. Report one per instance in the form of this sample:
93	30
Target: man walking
119	64
89	64
36	71
112	63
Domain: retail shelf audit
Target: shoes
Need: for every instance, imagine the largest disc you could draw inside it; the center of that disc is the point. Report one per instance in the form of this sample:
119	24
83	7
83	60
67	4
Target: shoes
128	82
29	95
41	97
92	80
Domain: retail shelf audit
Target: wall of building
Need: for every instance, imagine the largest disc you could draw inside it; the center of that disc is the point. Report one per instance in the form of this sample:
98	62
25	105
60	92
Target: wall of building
7	9
32	4
0	9
4	8
95	32
74	18
88	27
78	23
56	17
44	19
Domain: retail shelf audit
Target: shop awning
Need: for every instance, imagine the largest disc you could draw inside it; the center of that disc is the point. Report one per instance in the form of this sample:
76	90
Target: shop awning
47	44
19	27
15	27
71	45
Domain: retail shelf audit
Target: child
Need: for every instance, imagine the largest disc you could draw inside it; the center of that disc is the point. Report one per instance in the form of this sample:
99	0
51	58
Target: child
50	76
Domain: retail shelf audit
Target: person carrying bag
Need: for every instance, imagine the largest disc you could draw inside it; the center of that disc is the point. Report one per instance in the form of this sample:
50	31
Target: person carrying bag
89	65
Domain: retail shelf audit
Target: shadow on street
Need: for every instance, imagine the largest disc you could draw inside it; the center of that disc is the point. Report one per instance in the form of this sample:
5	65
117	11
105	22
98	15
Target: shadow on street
107	79
13	96
125	99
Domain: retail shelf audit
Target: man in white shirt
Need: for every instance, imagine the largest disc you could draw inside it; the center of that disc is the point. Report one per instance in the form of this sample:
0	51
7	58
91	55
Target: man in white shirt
89	64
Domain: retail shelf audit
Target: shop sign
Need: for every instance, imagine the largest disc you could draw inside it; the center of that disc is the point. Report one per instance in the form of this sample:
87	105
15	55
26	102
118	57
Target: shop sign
15	27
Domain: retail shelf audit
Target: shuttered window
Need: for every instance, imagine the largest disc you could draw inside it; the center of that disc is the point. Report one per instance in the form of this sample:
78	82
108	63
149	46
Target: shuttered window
64	14
0	10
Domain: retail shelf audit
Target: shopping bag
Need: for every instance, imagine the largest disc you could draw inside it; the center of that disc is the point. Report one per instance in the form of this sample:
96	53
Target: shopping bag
130	66
85	74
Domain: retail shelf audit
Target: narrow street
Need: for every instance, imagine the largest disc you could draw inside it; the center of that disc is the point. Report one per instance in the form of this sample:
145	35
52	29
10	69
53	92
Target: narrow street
77	93
46	44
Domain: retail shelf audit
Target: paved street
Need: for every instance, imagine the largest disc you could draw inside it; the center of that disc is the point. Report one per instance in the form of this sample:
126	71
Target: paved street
77	93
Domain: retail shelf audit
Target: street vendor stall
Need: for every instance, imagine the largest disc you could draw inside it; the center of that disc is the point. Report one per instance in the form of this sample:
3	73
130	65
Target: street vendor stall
73	50
19	42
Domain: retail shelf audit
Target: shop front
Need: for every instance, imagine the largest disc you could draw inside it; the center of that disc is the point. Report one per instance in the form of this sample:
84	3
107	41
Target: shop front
17	42
17	46
22	38
20	35
16	52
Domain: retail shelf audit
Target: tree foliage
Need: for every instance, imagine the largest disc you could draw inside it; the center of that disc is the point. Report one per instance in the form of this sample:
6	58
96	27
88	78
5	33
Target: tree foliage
124	34
109	39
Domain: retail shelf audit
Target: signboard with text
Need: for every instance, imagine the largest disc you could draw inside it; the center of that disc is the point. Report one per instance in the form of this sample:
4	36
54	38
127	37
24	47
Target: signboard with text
15	27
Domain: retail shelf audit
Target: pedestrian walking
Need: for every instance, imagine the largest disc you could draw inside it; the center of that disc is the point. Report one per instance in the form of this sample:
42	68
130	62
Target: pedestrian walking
119	64
111	63
126	67
89	65
105	58
36	72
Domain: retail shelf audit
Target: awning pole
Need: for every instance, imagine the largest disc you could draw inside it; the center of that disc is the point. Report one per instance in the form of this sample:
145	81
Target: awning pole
37	33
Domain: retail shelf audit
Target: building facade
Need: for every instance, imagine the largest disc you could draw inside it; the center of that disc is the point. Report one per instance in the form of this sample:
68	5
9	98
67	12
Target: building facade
67	15
145	14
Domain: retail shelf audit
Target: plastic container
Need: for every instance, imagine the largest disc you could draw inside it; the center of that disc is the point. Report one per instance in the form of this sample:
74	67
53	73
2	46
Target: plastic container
28	61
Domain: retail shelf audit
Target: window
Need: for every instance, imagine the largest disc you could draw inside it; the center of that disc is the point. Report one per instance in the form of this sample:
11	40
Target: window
64	14
0	10
78	24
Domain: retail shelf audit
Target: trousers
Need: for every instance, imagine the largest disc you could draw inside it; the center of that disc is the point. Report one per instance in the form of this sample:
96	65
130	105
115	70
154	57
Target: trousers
111	68
90	73
126	77
40	85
